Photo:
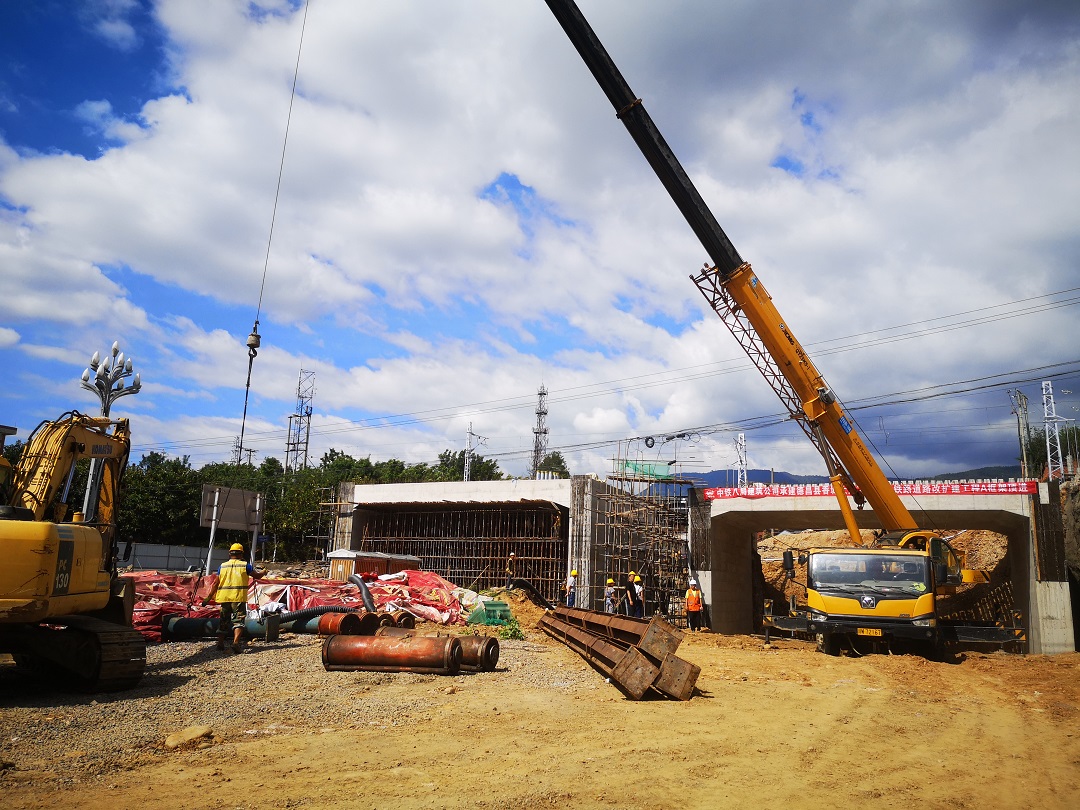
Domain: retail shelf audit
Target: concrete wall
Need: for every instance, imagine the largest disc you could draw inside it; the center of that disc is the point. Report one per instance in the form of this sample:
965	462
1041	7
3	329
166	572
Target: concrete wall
580	495
735	520
555	490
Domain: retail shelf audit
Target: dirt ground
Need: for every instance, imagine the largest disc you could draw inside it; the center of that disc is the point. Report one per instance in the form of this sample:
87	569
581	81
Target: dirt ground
772	726
779	726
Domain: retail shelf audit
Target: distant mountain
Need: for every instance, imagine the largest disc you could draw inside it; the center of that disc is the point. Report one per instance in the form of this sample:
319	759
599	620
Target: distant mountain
982	472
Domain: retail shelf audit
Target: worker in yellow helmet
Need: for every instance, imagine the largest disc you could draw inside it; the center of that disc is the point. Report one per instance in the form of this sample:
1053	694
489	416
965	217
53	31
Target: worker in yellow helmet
609	596
571	588
639	590
632	601
234	577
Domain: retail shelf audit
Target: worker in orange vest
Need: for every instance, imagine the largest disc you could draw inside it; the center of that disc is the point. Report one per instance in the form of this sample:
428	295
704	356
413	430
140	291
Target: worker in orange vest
693	607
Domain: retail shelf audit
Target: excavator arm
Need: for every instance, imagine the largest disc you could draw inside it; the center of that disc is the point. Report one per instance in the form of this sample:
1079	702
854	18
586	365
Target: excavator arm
49	457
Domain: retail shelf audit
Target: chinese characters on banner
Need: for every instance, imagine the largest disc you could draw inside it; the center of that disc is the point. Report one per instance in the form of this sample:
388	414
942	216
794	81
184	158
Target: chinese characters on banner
912	488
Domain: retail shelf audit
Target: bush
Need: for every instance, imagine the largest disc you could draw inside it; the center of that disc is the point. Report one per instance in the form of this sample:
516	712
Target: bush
511	631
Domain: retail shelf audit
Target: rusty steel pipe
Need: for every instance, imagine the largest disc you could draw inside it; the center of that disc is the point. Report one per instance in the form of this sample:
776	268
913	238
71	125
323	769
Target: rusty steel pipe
424	654
478	653
395	632
404	619
346	624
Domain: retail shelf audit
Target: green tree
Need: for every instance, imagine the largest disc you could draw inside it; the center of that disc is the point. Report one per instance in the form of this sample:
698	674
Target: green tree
12	451
451	467
159	502
1069	438
554	463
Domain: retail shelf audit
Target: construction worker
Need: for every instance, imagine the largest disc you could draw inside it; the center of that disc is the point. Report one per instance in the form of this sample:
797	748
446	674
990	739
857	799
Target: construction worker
639	606
631	595
693	607
511	561
571	588
609	596
234	576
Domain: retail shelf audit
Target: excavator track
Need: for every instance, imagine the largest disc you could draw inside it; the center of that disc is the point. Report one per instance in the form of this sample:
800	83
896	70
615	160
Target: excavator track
88	654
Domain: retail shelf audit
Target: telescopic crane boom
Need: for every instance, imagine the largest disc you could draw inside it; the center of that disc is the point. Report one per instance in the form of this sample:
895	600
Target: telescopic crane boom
737	295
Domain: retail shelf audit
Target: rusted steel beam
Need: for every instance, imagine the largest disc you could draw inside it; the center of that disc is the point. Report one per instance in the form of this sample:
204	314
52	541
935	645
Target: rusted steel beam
655	637
628	669
658	640
425	654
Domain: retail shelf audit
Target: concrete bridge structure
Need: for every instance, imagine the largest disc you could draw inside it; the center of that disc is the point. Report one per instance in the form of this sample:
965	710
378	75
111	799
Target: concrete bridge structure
1041	588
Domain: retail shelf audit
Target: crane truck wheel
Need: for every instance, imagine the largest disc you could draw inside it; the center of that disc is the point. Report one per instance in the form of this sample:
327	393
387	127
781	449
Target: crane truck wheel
828	643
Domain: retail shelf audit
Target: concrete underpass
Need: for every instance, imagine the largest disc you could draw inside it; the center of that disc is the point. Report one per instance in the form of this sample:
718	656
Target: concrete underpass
728	586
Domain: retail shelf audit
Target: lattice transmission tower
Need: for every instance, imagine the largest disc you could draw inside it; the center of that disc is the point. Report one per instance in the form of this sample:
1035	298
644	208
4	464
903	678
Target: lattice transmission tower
296	446
1055	467
540	433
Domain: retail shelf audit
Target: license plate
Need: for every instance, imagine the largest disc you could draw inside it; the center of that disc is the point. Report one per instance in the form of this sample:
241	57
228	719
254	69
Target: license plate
868	631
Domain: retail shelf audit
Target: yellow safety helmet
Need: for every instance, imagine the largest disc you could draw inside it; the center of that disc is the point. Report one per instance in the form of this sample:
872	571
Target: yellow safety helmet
637	579
631	574
573	573
236	547
610	581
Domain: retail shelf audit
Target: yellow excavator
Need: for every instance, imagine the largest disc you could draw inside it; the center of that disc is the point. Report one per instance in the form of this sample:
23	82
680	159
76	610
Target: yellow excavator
878	593
63	610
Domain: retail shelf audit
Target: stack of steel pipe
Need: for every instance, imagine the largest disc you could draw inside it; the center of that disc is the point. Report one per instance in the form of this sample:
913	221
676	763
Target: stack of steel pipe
432	655
478	653
654	638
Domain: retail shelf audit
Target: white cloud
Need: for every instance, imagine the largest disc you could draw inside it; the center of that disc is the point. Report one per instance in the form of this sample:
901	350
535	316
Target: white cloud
935	144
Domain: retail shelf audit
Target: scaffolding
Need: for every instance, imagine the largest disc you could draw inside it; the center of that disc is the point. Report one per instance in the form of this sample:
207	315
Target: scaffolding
469	544
642	526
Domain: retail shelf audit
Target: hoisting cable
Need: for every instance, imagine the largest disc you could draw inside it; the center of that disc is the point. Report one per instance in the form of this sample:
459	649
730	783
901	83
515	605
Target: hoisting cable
254	341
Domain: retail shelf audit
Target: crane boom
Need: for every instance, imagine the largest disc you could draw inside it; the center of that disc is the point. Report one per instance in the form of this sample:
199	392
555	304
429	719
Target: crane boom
736	294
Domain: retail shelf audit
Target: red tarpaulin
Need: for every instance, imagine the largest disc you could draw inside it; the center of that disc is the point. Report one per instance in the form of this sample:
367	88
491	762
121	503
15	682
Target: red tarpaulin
424	594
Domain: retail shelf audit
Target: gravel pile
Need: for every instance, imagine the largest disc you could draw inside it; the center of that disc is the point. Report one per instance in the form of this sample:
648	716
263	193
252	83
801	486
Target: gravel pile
278	687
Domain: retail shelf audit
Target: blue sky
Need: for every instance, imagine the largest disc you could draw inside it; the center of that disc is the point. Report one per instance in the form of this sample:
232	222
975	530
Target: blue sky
461	219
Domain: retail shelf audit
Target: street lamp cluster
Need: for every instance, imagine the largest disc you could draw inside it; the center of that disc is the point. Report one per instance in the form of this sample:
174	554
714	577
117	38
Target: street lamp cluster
108	378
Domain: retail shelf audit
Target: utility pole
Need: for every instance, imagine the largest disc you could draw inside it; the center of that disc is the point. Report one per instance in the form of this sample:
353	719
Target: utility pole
1023	428
469	450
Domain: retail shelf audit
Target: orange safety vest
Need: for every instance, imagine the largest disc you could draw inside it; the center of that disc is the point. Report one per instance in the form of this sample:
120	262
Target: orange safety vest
232	582
693	601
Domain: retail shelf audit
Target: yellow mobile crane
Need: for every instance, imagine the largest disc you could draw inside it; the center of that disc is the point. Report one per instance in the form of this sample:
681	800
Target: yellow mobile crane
62	606
880	592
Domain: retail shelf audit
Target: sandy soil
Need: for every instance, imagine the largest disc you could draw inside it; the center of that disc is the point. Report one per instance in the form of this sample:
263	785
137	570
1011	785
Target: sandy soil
772	726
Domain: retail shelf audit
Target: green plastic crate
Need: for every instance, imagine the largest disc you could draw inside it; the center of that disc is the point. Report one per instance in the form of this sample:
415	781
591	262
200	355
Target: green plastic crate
493	612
